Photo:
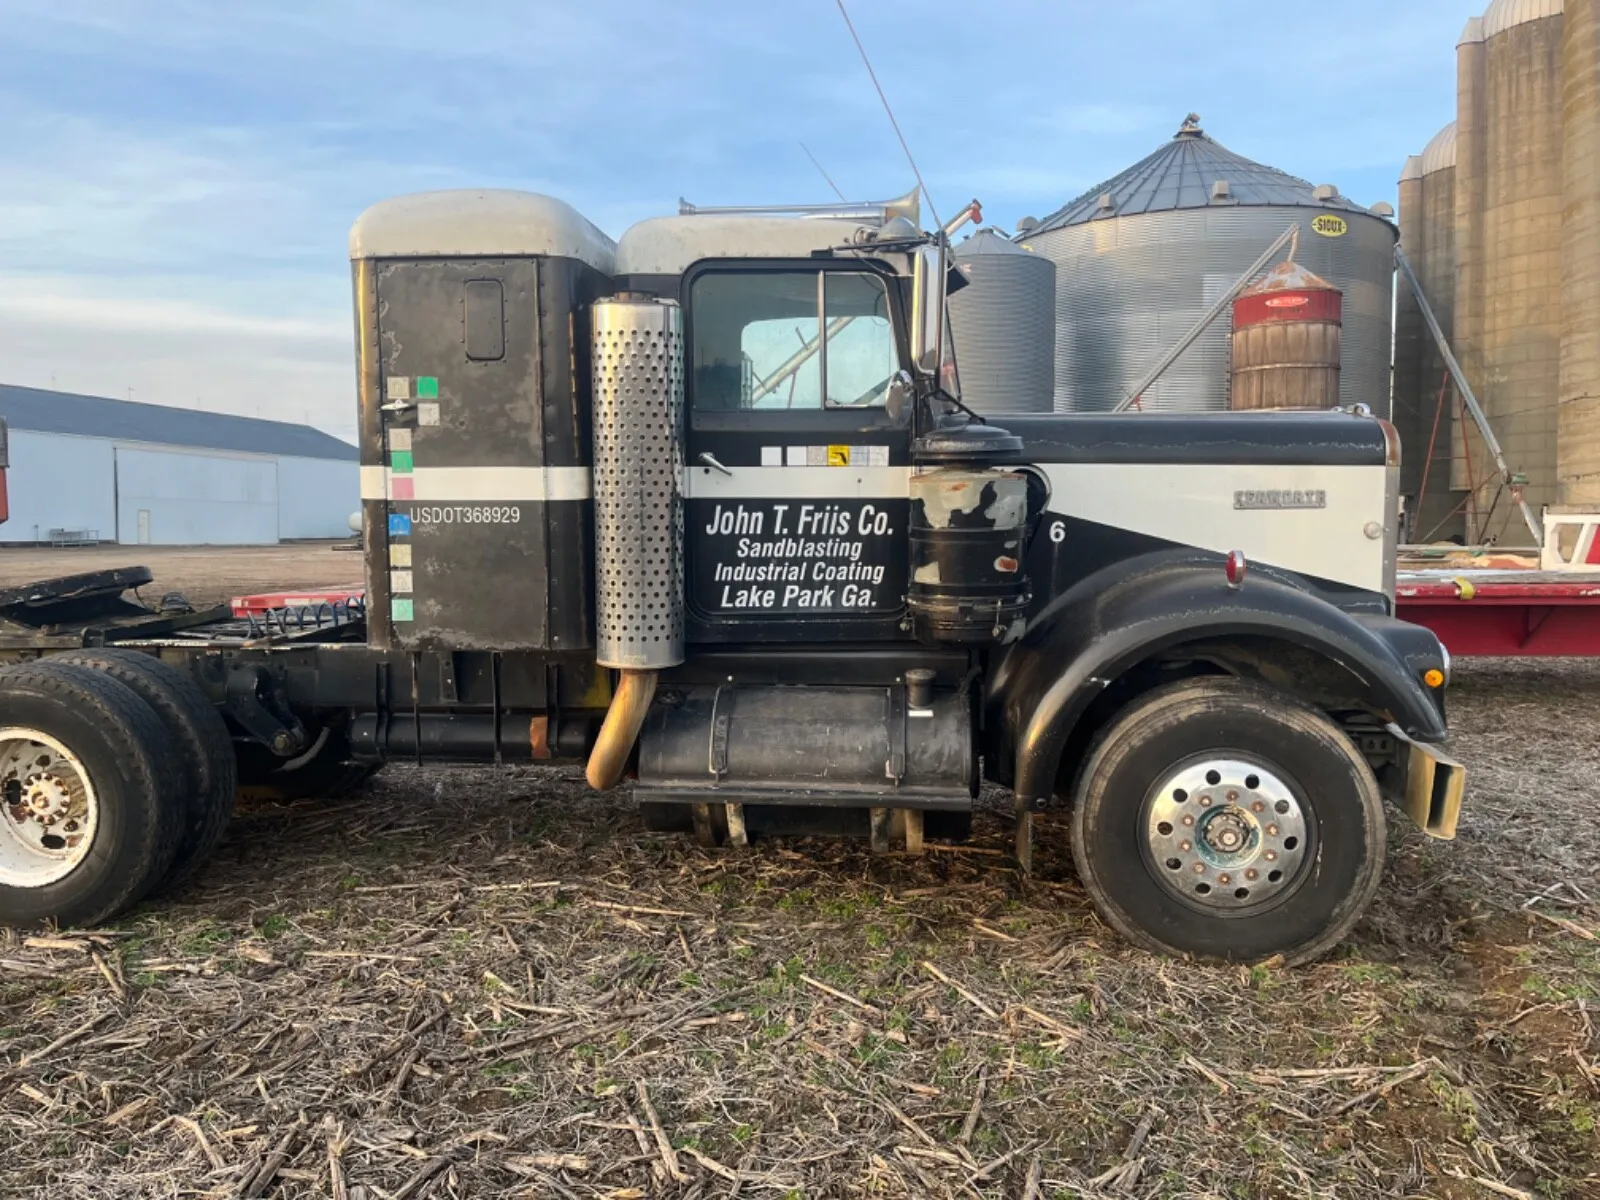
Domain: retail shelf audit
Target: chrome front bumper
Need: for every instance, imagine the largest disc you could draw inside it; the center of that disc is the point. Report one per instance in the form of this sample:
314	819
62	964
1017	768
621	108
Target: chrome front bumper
1434	784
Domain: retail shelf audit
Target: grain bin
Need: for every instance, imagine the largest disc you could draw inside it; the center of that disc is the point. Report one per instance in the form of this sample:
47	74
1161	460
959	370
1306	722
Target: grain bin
1003	323
1438	516
1285	346
1141	257
1410	335
1578	422
1428	237
1472	181
1522	263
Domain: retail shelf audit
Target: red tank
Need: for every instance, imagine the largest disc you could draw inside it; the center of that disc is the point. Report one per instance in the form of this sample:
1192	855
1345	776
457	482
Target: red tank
1285	346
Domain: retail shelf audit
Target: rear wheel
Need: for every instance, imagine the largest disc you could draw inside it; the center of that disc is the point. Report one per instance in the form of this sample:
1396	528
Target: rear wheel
199	734
1226	820
91	812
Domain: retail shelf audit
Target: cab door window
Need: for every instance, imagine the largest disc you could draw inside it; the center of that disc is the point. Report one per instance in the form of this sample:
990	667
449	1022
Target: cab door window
790	340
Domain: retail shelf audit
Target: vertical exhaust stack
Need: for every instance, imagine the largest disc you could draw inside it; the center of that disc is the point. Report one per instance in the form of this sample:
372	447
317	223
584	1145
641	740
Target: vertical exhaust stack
638	463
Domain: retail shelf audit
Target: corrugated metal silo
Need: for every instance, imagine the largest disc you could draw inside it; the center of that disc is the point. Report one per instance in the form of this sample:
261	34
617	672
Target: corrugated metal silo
1285	349
1410	335
1141	257
1578	424
1004	326
1521	377
1472	182
1436	271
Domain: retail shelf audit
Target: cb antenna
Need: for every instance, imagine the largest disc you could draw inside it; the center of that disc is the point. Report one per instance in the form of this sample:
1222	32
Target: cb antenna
873	75
823	173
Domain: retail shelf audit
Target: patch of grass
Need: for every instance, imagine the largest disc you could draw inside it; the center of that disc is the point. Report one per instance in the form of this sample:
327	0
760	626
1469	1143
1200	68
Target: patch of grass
1369	974
877	1051
796	898
1458	1103
1035	1056
273	925
204	938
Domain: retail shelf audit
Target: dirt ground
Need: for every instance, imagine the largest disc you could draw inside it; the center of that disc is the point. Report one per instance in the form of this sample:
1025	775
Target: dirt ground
485	983
205	574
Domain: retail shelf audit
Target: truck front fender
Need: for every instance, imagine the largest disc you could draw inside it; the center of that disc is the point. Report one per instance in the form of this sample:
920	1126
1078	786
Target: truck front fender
1113	622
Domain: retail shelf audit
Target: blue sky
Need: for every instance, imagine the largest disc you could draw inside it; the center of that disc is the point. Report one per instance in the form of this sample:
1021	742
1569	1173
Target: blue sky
177	177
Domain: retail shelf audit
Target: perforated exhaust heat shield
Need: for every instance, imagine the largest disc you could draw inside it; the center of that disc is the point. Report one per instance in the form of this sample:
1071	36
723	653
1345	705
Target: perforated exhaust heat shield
638	463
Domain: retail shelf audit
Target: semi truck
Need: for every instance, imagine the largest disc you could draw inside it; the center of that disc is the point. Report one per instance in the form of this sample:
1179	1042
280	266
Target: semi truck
703	509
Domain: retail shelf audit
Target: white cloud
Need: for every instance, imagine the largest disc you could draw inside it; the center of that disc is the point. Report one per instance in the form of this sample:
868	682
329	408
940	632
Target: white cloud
92	306
91	336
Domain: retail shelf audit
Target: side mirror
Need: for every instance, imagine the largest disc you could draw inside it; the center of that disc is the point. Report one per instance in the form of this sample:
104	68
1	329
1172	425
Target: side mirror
901	389
927	307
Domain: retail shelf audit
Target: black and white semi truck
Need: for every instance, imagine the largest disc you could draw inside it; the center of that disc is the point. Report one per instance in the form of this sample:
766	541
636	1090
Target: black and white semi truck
703	508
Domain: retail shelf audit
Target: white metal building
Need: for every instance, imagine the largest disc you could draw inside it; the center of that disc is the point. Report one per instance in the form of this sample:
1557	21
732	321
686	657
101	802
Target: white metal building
117	471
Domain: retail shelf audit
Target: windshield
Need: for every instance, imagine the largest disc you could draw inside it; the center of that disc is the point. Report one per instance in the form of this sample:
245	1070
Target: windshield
791	340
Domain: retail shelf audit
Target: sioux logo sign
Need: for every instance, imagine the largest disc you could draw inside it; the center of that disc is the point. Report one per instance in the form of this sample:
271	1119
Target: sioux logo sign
1329	226
1288	301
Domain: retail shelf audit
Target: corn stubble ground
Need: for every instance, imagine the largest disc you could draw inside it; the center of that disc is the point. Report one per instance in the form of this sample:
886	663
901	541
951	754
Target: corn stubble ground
485	983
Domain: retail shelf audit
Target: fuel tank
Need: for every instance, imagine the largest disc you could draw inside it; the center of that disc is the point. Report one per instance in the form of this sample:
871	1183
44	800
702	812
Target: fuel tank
831	746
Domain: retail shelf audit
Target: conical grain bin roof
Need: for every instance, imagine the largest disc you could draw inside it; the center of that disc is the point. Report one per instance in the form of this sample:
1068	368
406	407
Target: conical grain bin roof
1141	257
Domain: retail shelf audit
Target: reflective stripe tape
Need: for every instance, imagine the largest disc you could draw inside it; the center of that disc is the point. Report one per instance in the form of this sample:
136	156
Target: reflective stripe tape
799	483
574	483
481	483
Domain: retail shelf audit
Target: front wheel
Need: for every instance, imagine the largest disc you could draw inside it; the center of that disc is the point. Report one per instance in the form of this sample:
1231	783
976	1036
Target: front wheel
1226	820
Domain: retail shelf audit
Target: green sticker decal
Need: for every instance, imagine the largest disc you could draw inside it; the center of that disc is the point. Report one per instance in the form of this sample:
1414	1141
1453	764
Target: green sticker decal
427	387
400	609
400	462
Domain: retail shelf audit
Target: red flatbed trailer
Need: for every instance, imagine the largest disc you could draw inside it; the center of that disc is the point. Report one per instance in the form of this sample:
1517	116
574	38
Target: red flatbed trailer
1508	611
261	603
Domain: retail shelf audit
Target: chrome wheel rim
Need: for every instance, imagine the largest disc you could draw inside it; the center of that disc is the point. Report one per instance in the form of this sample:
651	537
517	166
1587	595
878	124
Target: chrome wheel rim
48	809
1226	834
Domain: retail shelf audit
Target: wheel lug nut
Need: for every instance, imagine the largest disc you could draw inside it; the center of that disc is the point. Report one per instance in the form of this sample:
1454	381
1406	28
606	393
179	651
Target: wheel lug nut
1258	807
1272	831
1199	868
1271	856
1188	820
1224	879
1205	801
1251	873
1185	846
1232	796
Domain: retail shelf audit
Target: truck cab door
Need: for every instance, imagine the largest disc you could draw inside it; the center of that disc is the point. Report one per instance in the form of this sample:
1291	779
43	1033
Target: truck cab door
798	465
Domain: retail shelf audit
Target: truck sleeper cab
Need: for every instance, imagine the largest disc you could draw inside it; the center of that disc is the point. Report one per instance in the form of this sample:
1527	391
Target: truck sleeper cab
703	507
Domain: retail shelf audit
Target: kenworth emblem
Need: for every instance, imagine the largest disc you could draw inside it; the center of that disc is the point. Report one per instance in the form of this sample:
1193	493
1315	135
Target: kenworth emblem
1281	498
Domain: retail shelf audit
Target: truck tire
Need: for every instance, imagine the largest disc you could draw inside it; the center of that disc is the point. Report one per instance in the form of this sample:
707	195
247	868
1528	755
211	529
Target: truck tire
82	756
324	772
1225	820
196	729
